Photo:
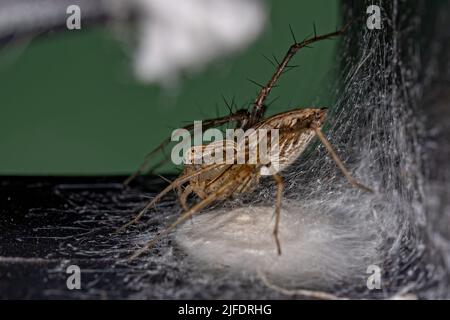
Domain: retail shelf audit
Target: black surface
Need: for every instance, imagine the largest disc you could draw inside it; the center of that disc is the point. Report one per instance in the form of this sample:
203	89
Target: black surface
48	224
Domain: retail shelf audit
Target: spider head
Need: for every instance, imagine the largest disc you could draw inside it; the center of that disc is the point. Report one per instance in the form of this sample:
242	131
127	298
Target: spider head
318	117
314	117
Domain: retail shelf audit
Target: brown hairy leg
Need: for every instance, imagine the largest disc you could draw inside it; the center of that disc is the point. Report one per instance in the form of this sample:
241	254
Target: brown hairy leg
226	188
258	106
238	116
338	161
176	183
280	187
183	195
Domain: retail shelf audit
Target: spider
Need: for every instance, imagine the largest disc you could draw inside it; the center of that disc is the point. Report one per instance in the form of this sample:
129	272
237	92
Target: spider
215	182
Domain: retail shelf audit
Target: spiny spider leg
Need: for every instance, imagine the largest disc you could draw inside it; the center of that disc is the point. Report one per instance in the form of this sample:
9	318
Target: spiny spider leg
176	183
280	187
258	106
226	188
240	115
183	195
338	161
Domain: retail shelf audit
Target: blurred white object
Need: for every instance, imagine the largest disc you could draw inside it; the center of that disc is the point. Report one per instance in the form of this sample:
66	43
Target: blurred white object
179	36
175	36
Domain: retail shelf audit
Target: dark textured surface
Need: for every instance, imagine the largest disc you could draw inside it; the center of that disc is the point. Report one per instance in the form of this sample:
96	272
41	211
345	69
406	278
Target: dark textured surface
47	224
44	221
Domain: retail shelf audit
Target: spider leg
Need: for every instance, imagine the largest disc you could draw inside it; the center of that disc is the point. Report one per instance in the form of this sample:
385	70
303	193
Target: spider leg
225	188
144	164
338	161
320	295
238	116
280	187
176	183
183	195
258	105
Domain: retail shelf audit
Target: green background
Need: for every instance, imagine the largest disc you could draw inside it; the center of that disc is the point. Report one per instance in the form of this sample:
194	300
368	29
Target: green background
70	105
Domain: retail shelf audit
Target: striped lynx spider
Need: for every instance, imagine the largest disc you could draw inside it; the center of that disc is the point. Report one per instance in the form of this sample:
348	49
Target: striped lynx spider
215	182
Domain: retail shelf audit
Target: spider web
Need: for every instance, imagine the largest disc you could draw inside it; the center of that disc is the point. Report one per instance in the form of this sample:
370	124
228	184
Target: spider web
333	232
